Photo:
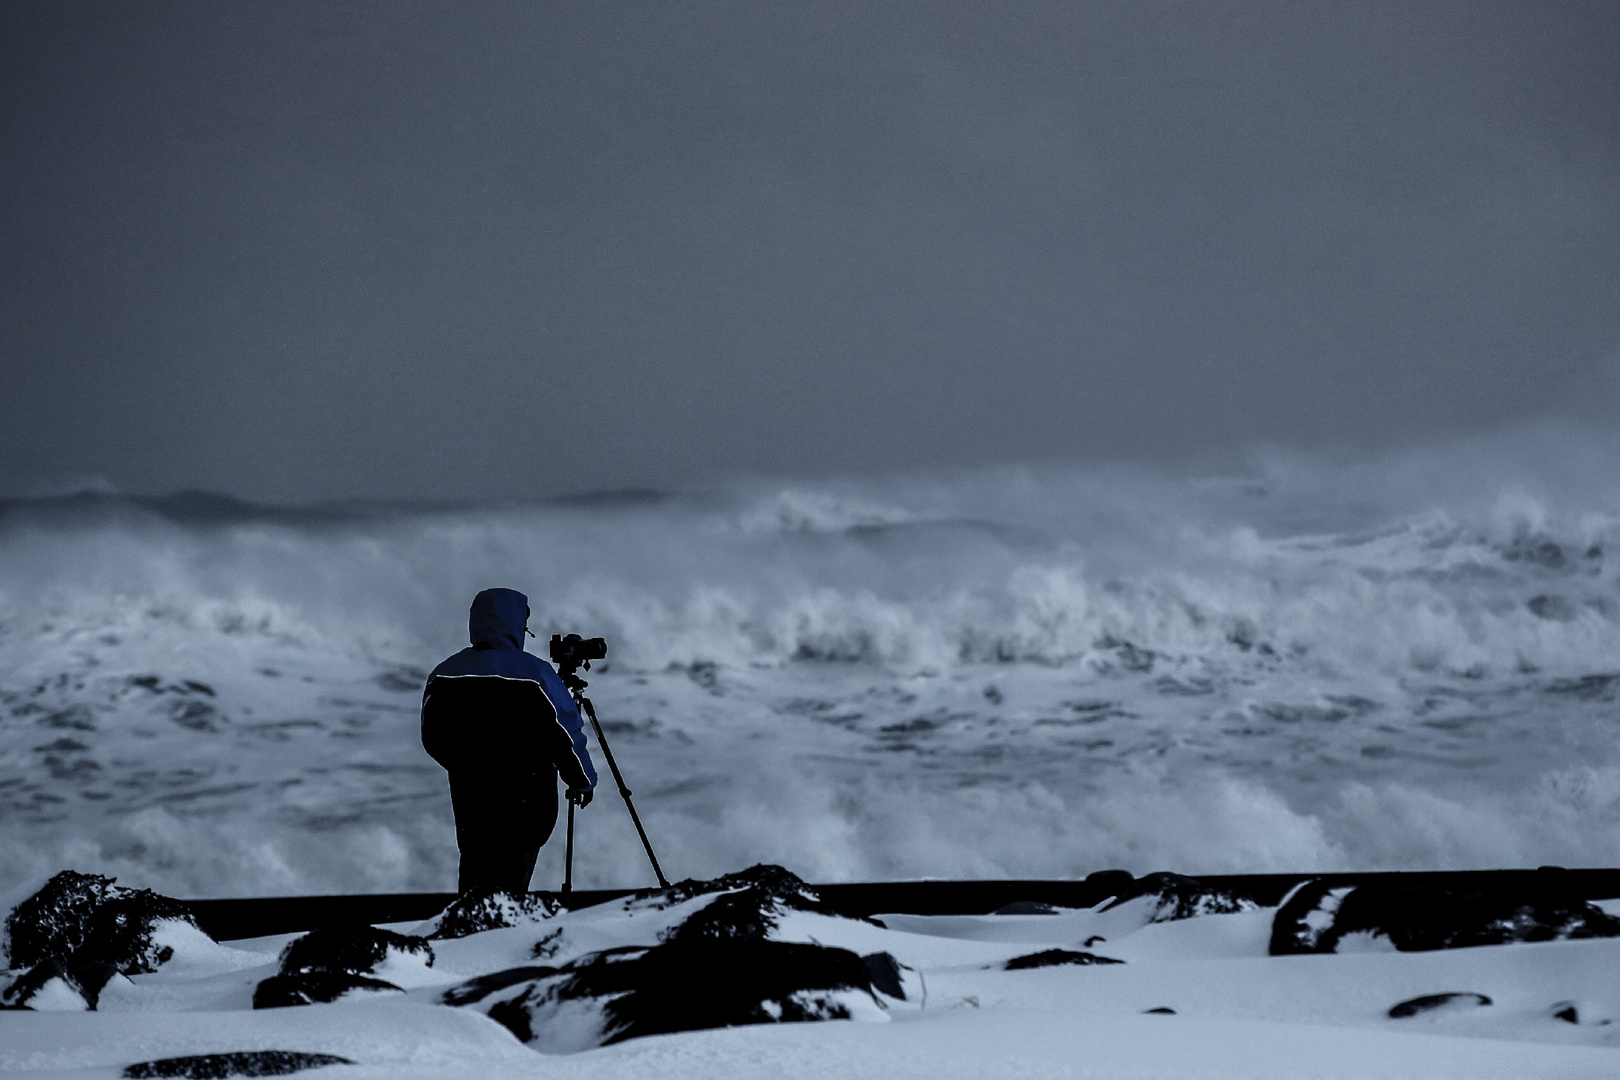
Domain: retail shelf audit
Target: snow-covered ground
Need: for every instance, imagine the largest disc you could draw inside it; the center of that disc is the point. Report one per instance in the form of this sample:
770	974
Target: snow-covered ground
1237	1012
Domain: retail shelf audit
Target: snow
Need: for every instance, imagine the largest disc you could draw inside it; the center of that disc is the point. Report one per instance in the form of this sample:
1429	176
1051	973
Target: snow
1237	1012
1040	1043
432	1040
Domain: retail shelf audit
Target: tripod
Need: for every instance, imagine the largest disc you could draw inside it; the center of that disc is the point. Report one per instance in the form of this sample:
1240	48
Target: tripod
576	687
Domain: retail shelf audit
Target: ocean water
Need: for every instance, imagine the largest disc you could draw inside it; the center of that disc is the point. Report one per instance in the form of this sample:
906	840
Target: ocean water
1299	664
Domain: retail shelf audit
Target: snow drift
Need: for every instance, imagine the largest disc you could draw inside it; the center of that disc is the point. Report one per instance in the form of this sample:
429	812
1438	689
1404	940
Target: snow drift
760	950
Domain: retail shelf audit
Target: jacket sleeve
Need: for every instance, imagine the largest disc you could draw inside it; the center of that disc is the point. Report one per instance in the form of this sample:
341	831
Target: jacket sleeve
434	728
567	738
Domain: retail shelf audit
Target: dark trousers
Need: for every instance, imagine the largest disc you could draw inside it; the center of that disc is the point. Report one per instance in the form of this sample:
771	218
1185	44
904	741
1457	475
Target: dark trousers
502	820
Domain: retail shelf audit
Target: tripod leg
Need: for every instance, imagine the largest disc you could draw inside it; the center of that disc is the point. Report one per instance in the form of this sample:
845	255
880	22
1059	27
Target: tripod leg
624	789
568	859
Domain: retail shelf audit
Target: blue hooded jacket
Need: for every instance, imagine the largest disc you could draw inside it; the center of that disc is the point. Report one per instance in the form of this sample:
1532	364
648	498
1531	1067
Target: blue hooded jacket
494	706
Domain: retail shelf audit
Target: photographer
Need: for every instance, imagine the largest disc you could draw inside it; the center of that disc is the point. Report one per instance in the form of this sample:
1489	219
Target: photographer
502	723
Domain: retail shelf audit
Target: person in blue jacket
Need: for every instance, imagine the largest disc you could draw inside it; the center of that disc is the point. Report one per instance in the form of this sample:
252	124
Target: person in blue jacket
504	726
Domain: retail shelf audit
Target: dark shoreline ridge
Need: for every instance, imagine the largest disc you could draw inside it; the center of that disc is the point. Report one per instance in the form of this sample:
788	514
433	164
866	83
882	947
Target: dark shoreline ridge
226	919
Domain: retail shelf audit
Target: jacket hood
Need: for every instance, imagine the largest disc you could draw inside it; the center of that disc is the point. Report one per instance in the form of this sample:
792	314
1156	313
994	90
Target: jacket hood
497	619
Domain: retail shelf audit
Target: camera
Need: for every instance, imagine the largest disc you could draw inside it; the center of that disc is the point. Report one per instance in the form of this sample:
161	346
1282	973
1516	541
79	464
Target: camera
573	651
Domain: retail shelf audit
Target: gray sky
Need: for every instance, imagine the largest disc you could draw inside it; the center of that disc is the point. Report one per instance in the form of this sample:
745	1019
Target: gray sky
318	250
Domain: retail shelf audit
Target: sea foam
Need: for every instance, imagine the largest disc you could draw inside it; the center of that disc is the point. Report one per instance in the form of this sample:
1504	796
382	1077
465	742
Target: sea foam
1300	665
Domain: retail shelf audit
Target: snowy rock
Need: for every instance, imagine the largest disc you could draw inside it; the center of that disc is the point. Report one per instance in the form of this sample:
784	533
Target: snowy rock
127	932
80	987
717	967
1176	897
86	920
680	985
325	965
316	988
763	880
244	1063
1055	958
47	987
891	978
1449	1002
747	905
1319	918
55	921
476	910
358	950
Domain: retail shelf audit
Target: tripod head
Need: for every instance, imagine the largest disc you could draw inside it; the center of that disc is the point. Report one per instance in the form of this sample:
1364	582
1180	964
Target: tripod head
573	652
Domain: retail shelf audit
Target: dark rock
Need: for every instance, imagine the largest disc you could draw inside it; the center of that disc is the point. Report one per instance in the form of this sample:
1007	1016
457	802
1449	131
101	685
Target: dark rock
547	946
22	992
885	973
1304	921
1109	883
749	904
475	990
85	980
86	919
314	987
478	910
244	1063
771	880
1055	957
1316	917
91	977
55	921
122	929
767	878
746	915
1025	907
352	949
681	985
1431	1002
1566	1011
717	968
326	964
1182	897
1162	1010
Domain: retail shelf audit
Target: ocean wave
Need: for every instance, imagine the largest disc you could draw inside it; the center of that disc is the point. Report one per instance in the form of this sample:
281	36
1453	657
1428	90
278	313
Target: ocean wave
1021	672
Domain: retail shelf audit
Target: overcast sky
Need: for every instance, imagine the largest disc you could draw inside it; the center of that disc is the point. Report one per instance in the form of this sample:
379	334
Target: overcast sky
318	250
